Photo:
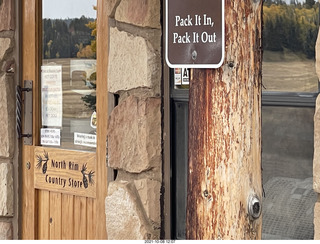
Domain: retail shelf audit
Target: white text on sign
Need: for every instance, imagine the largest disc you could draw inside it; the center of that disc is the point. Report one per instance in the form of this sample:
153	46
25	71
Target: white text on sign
194	37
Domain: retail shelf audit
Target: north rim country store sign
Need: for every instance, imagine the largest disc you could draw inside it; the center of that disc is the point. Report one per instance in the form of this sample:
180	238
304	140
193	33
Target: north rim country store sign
65	172
195	33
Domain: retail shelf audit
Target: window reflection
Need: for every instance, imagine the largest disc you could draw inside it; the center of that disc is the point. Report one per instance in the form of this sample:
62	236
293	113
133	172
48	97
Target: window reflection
289	37
69	61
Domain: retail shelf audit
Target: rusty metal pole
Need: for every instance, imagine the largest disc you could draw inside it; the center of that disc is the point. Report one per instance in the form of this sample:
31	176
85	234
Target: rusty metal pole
225	134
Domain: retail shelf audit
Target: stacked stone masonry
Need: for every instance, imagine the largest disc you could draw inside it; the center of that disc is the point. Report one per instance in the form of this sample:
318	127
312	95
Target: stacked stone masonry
134	135
6	231
126	213
7	113
7	15
134	130
133	63
316	156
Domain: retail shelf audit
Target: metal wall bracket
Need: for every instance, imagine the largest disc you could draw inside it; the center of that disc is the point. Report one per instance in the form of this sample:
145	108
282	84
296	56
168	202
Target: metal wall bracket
26	103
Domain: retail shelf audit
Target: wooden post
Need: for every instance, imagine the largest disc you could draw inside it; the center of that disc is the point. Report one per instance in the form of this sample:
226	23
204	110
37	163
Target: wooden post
224	132
102	117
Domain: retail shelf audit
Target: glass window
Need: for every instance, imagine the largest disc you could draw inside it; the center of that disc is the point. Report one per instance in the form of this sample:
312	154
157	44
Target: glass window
290	85
289	37
287	168
68	74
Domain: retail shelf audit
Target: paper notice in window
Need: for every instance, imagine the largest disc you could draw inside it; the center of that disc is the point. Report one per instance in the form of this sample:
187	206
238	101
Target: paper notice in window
50	137
177	76
185	76
51	95
83	139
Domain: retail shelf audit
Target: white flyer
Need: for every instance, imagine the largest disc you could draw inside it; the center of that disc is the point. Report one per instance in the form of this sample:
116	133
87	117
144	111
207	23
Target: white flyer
51	95
50	137
185	76
84	139
177	76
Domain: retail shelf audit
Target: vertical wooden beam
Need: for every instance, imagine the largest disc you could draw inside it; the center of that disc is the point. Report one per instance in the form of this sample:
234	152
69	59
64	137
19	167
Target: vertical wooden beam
80	218
67	215
102	117
224	132
43	215
31	29
91	219
28	208
55	220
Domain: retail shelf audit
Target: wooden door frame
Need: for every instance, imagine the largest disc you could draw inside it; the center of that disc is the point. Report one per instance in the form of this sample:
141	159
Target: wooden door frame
31	34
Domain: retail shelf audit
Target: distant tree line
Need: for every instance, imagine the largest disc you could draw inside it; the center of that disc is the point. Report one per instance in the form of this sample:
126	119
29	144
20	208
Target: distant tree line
291	26
67	38
307	4
89	51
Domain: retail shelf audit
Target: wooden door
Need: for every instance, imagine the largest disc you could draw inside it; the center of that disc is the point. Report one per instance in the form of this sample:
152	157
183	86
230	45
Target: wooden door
63	186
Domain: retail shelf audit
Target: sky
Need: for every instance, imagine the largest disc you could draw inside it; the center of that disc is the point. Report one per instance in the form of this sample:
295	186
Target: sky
56	9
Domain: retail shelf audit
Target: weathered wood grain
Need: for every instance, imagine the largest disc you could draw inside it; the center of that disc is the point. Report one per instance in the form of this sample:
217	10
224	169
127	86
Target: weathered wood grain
224	132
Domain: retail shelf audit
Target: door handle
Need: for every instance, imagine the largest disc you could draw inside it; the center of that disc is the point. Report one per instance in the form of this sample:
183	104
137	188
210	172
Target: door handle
26	103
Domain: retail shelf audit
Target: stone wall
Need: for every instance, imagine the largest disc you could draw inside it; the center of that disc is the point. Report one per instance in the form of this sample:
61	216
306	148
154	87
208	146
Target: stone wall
134	132
7	115
316	156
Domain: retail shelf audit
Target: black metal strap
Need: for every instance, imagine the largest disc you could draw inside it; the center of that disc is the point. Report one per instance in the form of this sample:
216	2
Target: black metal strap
19	101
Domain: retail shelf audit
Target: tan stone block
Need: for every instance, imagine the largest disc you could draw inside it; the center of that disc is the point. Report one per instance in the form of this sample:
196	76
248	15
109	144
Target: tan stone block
144	13
316	155
317	52
317	221
7	115
6	231
7	15
6	189
149	192
5	45
125	215
132	63
134	135
111	6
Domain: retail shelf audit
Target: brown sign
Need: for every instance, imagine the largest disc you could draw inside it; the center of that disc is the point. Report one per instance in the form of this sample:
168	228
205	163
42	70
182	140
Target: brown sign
194	33
69	172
